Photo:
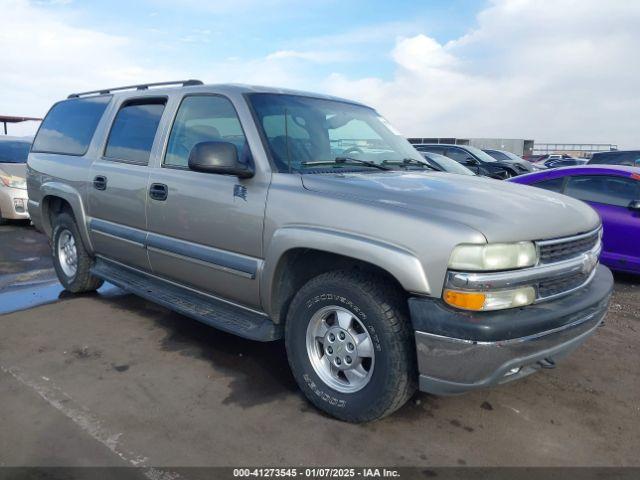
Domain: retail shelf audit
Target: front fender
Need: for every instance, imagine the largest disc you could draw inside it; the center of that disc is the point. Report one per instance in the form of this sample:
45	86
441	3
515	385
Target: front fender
400	263
74	199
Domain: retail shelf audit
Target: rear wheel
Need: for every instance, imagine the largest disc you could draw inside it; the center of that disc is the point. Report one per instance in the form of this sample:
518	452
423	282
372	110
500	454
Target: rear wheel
71	260
350	345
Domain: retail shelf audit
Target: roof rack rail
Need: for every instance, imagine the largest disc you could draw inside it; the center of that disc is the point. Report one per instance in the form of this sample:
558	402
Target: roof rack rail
143	86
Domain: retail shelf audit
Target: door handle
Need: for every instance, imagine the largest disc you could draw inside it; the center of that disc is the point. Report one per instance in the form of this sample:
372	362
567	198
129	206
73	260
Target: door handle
100	182
158	191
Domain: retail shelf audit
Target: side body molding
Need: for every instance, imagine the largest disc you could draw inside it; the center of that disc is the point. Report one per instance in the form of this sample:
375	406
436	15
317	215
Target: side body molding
400	263
73	197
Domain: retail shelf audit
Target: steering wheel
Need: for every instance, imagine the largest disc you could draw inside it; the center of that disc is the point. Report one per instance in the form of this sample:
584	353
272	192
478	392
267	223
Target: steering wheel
352	150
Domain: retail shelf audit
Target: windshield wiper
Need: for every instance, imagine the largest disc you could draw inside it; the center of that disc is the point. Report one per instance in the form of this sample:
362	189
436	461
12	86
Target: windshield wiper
347	160
409	161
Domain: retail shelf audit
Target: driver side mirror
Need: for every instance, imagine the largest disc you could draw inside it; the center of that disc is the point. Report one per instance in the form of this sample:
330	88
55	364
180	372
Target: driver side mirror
218	157
471	161
634	205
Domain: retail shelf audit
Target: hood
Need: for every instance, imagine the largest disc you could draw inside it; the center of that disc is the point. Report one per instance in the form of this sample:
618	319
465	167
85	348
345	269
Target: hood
501	211
14	169
525	165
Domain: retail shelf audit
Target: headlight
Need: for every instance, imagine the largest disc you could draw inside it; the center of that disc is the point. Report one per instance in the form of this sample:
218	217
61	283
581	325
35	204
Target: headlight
497	300
493	256
13	182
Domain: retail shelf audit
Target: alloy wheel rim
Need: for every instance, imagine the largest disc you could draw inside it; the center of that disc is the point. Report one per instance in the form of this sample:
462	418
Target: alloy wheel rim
67	253
340	349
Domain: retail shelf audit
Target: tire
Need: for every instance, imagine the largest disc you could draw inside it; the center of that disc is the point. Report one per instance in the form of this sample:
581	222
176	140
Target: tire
78	279
3	221
377	311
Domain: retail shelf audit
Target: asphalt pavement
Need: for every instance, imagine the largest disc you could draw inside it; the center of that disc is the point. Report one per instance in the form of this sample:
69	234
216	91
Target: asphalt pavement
111	379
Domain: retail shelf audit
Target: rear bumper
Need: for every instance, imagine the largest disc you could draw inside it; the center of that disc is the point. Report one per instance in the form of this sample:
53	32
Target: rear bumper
461	351
13	203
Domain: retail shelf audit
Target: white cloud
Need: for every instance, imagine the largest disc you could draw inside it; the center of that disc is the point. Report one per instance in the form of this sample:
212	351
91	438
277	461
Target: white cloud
561	71
44	58
422	54
552	71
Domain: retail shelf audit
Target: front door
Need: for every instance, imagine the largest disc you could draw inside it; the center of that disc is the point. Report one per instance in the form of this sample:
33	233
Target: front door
611	196
206	232
465	158
118	184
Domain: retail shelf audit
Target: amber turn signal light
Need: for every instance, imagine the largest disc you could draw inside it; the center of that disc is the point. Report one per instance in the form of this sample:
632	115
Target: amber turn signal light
466	300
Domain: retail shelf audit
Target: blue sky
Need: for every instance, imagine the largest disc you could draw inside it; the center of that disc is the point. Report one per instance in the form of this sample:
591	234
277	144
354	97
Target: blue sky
549	70
188	34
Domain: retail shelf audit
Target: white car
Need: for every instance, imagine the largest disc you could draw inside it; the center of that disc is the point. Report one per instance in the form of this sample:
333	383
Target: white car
13	172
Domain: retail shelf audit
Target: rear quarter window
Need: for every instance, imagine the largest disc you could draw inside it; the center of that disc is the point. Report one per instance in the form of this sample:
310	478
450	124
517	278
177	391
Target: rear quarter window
14	151
69	126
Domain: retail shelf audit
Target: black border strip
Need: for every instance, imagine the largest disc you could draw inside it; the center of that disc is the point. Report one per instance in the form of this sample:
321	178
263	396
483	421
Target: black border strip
209	255
204	254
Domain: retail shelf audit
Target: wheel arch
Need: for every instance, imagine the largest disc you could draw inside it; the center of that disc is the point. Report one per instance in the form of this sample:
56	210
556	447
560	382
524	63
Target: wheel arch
297	254
58	197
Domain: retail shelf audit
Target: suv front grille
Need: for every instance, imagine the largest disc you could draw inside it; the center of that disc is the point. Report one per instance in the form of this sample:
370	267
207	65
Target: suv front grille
557	250
558	285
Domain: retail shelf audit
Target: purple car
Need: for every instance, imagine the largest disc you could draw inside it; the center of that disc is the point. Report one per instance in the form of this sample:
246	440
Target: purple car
614	192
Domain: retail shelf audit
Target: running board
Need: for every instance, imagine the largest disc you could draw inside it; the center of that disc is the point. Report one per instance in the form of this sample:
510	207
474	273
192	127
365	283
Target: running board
203	308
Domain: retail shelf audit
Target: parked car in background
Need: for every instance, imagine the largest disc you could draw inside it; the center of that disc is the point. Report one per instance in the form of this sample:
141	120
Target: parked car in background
506	156
558	163
473	158
630	158
13	171
445	164
276	214
614	192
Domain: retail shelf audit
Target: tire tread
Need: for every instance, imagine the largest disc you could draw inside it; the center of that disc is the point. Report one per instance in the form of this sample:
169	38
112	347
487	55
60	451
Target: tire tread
392	306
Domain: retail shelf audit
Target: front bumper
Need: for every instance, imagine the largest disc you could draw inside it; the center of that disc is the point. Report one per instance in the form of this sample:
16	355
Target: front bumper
460	351
13	203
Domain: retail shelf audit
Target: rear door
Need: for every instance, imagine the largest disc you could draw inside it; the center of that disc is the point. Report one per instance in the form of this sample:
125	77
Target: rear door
611	195
118	182
206	231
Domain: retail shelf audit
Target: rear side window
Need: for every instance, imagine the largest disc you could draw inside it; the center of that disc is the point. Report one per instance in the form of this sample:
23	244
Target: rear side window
134	130
69	126
458	154
610	190
553	184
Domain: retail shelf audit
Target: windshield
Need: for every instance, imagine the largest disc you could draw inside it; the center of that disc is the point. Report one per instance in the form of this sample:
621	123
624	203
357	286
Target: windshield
13	151
512	156
504	155
482	156
303	133
447	164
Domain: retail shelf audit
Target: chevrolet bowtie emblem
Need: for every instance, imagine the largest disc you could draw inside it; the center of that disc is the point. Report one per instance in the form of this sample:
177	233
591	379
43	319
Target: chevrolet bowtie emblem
590	262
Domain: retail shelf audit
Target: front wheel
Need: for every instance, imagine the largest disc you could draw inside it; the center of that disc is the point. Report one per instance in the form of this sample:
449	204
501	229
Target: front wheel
350	345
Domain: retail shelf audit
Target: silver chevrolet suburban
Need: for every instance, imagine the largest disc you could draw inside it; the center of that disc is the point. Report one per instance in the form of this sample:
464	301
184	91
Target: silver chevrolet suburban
277	214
